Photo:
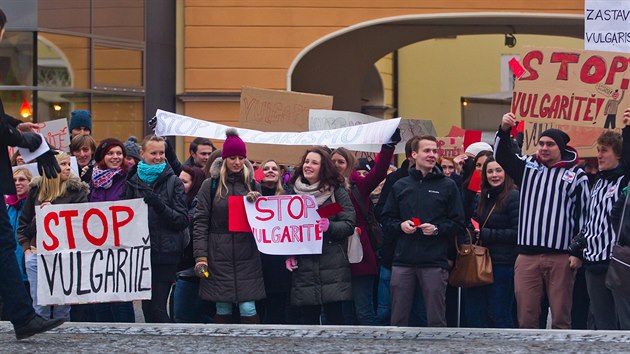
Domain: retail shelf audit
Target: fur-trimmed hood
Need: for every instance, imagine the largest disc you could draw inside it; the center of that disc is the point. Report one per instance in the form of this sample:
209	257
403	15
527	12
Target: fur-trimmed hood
215	168
74	184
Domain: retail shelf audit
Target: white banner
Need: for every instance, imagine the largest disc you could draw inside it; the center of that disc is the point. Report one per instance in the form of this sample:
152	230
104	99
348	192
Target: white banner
93	252
607	25
285	224
373	134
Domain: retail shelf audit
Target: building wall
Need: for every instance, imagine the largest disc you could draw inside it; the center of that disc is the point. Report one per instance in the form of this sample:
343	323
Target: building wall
230	44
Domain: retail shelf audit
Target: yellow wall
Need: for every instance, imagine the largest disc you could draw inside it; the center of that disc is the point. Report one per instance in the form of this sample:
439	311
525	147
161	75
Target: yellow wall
435	74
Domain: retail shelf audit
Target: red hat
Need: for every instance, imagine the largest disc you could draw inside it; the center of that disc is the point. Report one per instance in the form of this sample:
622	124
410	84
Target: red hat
233	145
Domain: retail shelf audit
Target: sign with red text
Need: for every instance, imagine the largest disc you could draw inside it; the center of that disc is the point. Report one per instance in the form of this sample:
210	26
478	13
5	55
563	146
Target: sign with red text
93	252
580	92
56	133
450	146
285	224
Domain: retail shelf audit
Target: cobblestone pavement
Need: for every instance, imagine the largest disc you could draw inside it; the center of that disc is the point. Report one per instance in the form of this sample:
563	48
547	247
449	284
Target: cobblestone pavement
147	338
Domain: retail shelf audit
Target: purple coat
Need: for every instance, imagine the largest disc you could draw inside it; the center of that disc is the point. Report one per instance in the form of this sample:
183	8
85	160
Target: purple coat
110	194
366	185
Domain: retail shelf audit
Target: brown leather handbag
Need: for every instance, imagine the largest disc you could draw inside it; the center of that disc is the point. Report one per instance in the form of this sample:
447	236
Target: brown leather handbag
473	266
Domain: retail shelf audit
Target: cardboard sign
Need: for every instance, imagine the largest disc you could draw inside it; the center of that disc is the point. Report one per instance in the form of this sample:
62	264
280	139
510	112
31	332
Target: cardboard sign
366	134
93	252
56	133
569	89
606	25
285	224
450	147
279	111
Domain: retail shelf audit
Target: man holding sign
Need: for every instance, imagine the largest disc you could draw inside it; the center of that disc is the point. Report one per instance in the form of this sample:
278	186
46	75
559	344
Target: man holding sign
17	305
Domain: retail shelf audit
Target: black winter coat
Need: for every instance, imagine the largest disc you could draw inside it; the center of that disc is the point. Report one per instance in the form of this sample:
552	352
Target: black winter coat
166	229
433	199
9	136
325	278
233	258
500	232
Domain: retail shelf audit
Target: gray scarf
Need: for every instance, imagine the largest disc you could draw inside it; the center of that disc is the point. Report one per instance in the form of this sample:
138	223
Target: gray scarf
313	190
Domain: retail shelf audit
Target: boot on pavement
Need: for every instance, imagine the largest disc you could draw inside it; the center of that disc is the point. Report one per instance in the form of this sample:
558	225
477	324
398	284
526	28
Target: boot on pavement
250	319
36	325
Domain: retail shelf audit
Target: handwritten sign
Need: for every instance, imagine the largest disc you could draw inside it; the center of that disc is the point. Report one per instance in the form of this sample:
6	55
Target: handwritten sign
56	133
450	147
285	224
280	111
367	134
606	25
564	88
93	252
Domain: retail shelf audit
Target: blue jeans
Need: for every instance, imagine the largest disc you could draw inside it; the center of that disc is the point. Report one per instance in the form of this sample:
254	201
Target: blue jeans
115	312
56	311
491	306
188	306
246	309
384	309
361	310
17	305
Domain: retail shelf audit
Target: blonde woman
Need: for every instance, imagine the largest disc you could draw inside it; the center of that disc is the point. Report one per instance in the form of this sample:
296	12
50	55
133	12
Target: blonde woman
66	188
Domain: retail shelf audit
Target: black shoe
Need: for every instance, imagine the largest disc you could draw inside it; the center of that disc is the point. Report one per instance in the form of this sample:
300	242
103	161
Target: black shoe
37	324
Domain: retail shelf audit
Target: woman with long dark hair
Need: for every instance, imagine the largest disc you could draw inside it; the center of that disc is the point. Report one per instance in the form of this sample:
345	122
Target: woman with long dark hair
497	215
323	280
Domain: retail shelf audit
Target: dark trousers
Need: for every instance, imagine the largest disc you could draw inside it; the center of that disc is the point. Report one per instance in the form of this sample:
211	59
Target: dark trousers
611	121
610	310
431	281
276	309
17	304
491	306
162	279
310	315
115	312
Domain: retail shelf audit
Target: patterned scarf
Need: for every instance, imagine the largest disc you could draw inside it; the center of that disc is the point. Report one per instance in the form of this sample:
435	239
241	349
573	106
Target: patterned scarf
149	173
313	190
104	178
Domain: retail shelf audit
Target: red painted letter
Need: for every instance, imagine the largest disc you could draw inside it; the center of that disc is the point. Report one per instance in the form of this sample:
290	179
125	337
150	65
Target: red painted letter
116	225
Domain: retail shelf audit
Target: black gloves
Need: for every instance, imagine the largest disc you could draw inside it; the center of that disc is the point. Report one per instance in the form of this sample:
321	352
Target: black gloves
154	201
395	139
47	164
31	141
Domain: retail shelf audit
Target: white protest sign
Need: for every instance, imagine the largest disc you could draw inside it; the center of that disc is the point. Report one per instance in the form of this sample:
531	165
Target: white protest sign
607	25
29	156
285	224
56	133
32	167
93	252
374	134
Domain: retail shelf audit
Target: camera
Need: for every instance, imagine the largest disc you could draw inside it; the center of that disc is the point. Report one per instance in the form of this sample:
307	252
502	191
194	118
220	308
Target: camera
578	244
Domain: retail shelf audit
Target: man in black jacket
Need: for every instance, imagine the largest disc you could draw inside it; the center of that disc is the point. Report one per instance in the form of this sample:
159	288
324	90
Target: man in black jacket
17	305
424	212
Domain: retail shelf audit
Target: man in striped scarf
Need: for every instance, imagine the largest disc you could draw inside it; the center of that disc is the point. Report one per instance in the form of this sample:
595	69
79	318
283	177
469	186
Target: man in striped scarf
553	204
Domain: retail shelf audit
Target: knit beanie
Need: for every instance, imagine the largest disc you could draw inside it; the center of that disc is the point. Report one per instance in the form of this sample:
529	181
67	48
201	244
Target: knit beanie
233	145
105	146
364	164
80	118
132	148
561	138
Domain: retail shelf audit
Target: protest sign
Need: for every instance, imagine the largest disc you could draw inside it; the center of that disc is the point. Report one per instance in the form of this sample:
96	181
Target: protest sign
580	92
93	252
606	25
377	133
56	133
285	224
280	111
450	147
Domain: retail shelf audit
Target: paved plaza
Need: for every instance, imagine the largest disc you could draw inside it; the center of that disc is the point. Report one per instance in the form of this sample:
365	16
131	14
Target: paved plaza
151	338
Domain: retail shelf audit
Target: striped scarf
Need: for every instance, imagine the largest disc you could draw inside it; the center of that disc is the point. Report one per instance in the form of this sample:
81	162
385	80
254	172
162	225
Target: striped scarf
104	178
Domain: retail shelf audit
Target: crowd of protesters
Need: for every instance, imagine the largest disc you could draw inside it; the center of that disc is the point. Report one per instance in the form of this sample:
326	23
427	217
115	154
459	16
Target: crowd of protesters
540	217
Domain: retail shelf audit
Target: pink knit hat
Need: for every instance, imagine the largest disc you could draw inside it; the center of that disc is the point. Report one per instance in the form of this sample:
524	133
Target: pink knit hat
233	145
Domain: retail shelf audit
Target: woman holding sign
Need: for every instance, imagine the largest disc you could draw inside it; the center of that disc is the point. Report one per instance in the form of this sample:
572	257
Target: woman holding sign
323	279
153	180
107	185
359	188
228	263
66	188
